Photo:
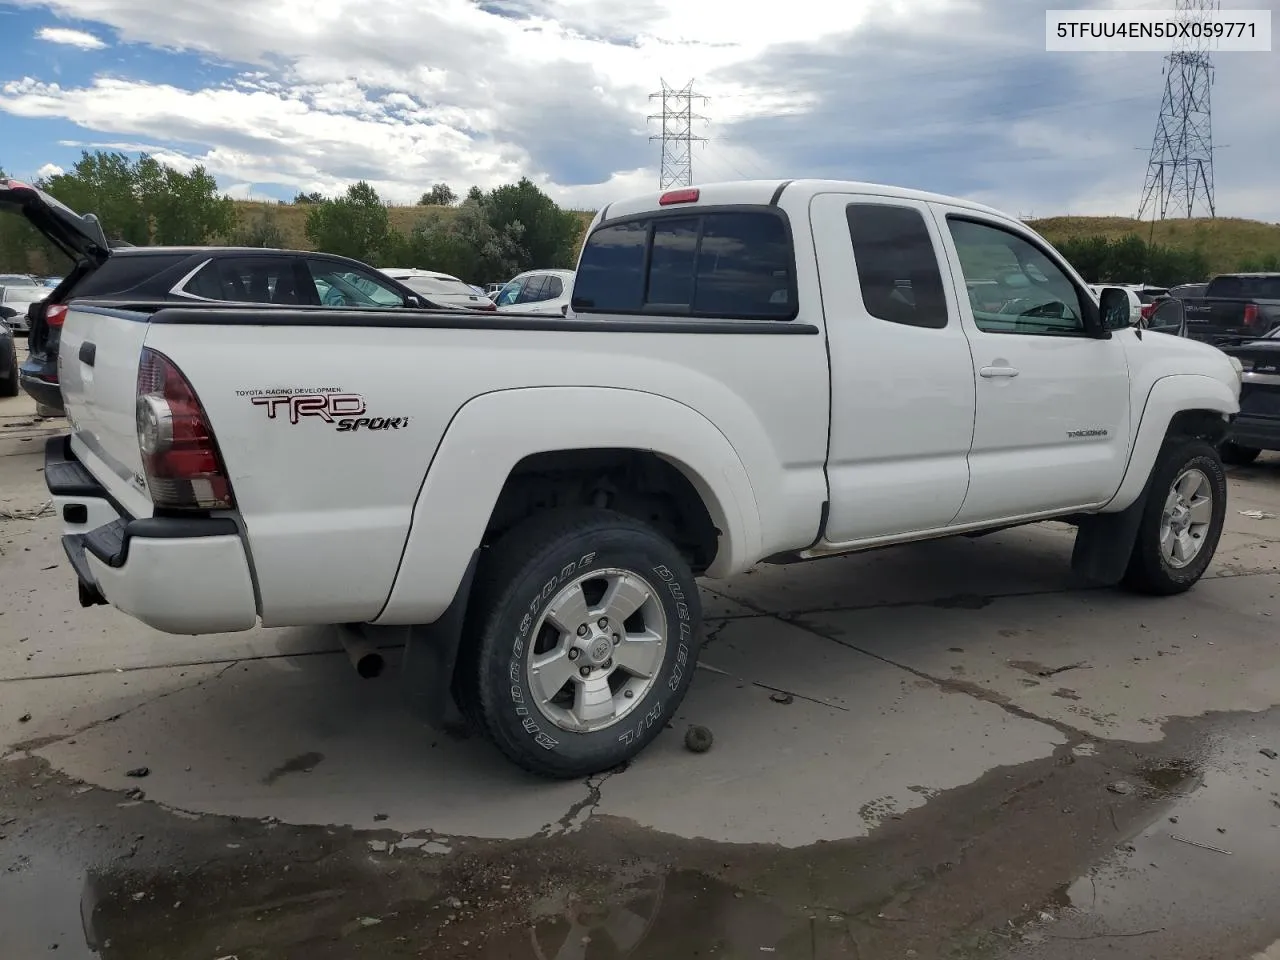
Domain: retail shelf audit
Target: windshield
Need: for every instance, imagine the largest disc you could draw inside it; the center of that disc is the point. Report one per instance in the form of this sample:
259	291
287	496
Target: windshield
440	286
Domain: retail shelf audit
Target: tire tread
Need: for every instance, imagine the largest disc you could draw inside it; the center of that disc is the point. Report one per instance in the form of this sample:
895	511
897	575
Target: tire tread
527	545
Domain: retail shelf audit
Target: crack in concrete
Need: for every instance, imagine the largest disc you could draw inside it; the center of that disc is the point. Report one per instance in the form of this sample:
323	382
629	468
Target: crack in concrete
946	684
772	689
581	812
955	600
28	747
952	685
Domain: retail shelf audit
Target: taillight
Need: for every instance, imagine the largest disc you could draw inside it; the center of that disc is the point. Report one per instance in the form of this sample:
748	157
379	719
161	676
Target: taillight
1148	309
1250	314
179	452
56	315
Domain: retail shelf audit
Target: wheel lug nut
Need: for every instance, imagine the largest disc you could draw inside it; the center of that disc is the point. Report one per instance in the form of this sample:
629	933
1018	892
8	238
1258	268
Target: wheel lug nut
585	671
607	664
616	639
628	693
573	654
582	630
604	623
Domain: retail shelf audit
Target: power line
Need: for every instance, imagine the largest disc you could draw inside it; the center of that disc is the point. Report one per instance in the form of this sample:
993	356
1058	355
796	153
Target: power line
1180	165
677	118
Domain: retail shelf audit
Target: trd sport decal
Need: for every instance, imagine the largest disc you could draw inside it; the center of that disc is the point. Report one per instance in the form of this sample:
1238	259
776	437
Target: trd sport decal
344	410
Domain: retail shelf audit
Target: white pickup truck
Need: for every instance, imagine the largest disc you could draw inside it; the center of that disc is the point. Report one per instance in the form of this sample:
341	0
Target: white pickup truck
751	371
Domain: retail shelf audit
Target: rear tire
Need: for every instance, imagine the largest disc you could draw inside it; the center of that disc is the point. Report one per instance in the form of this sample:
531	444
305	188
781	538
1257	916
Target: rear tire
1236	455
1182	520
546	670
9	387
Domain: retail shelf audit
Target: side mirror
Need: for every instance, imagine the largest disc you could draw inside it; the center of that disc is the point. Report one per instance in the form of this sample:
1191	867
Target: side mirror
1116	309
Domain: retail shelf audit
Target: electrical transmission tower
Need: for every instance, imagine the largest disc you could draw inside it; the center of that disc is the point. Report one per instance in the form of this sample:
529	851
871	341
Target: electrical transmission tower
1180	167
677	118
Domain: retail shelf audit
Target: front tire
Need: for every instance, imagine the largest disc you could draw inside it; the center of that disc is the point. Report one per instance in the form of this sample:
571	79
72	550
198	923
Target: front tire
1182	520
1238	456
582	643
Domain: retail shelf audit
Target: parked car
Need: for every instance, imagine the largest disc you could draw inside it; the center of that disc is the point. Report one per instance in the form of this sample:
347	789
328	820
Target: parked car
15	301
188	275
490	289
1257	427
8	361
753	372
538	292
1234	306
1184	290
442	288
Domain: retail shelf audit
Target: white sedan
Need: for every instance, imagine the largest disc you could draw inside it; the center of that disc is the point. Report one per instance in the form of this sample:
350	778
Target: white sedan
442	288
537	291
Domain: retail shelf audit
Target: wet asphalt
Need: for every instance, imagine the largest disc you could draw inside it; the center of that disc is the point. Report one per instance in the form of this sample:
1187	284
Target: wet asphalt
953	750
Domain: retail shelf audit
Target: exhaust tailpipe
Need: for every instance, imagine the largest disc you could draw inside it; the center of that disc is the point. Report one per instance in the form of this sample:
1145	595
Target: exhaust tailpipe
367	660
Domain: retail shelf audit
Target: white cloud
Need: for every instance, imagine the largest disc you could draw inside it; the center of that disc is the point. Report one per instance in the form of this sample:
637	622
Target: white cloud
951	95
49	170
70	38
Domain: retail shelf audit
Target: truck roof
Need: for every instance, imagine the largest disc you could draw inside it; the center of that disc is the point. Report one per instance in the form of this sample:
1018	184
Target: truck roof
763	192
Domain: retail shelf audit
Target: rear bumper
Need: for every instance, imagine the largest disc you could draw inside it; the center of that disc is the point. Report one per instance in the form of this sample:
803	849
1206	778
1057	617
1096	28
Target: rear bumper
179	575
31	375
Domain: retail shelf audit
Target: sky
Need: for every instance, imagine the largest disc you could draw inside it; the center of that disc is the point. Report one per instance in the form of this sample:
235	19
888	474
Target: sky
953	96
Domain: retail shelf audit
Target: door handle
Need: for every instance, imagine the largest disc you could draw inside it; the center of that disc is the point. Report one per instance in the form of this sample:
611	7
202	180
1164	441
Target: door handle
88	352
990	372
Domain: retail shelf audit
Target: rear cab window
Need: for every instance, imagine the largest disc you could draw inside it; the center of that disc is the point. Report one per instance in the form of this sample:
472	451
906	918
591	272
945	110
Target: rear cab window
1243	288
730	264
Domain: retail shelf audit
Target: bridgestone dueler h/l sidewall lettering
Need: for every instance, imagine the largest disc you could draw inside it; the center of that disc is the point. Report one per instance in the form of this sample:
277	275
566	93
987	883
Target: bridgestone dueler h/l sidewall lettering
521	574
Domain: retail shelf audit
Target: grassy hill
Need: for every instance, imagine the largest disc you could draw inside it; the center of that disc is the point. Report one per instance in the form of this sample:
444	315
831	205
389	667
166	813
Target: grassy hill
1226	241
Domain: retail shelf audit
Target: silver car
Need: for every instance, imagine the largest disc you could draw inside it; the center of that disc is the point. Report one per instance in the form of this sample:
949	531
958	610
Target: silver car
15	298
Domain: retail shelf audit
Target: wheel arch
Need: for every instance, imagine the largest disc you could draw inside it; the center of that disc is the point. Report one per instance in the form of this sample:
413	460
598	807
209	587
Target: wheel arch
505	435
1179	405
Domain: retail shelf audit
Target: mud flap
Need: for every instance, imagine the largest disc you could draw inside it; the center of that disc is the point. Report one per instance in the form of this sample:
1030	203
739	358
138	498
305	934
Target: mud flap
1105	542
430	656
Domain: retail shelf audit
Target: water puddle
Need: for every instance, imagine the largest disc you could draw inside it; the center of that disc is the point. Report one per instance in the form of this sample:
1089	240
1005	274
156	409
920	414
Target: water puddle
44	894
1198	881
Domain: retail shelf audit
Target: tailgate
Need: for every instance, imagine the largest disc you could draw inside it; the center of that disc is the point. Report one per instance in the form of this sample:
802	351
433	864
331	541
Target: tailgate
98	368
1209	318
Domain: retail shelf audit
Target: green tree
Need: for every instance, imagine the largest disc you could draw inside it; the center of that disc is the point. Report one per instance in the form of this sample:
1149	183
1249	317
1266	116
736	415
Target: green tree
354	225
105	184
23	249
185	209
441	195
464	244
549	235
261	229
313	197
145	201
1260	263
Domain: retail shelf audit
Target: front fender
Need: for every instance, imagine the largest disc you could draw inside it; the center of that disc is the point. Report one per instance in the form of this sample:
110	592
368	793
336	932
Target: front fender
1168	397
491	433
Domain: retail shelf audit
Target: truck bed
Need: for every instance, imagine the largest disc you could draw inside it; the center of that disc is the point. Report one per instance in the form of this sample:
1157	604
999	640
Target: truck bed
328	421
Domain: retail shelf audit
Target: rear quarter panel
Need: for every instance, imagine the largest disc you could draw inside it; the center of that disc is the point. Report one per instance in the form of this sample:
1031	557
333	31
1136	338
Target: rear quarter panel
327	511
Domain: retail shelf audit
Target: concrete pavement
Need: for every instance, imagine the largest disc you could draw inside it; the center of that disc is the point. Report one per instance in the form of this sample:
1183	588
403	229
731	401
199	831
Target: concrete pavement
914	751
